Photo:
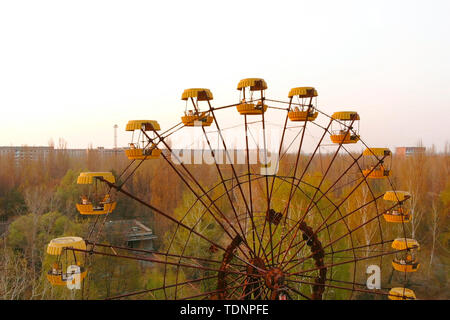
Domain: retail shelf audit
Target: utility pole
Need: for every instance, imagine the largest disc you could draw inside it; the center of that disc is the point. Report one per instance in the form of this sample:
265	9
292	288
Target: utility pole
115	136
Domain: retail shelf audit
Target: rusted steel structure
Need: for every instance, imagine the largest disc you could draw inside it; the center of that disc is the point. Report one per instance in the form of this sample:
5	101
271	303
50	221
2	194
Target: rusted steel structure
305	232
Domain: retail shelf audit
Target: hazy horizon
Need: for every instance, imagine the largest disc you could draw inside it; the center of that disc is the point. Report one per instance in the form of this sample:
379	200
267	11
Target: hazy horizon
73	70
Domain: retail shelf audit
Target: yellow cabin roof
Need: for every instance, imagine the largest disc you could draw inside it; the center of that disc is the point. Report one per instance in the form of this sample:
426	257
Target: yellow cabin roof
345	115
56	246
254	84
396	195
150	125
405	243
88	177
201	94
401	294
377	152
303	92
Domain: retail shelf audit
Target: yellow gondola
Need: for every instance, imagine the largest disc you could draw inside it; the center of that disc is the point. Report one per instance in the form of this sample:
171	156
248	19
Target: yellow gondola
196	117
376	167
300	112
405	260
66	269
249	86
100	202
401	294
140	147
397	214
344	132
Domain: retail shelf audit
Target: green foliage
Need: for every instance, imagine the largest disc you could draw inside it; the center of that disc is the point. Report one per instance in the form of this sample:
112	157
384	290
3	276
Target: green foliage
183	242
23	255
36	231
68	192
11	203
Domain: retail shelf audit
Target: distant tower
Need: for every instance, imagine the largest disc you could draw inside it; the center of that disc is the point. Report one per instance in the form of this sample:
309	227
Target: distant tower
115	136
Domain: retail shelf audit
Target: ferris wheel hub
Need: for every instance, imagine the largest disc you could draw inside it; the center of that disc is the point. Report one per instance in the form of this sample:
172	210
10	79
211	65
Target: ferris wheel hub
274	278
256	267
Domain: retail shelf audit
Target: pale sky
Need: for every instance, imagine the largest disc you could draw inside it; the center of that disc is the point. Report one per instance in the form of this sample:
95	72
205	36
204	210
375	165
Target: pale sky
73	69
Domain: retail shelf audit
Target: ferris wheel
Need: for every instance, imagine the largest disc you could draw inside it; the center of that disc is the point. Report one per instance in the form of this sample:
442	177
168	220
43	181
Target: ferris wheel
314	214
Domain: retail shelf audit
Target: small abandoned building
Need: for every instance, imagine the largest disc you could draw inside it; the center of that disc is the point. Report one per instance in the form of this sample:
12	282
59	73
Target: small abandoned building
131	234
408	151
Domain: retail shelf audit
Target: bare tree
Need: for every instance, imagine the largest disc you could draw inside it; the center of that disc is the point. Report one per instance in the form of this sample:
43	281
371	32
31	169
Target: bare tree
14	278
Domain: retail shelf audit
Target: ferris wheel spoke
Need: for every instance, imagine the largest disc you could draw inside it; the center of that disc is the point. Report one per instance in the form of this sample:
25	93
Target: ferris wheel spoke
286	210
378	292
308	197
303	259
294	174
349	232
279	243
247	151
366	222
231	265
257	288
220	183
338	206
266	179
267	294
192	178
392	188
140	258
223	181
297	292
91	231
327	225
340	263
160	212
291	195
337	239
126	169
285	151
149	141
358	209
207	196
242	234
335	280
181	220
380	229
280	151
241	279
307	165
390	183
171	130
236	280
209	293
235	175
172	255
261	292
173	239
186	242
229	158
318	188
178	284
